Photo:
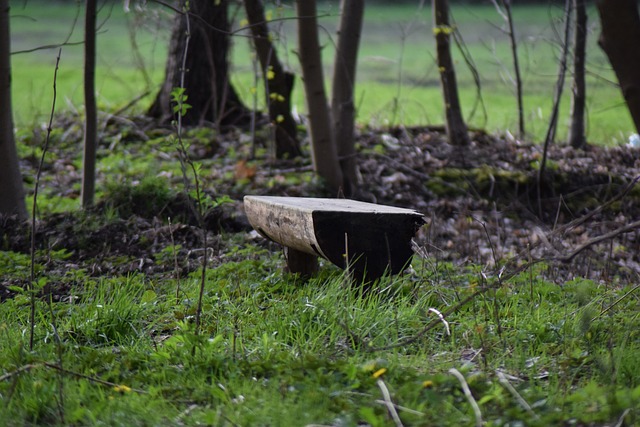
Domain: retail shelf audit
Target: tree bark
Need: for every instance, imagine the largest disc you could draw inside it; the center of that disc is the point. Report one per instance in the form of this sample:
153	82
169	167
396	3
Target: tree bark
577	138
91	114
277	81
344	78
323	148
455	126
206	74
11	189
620	33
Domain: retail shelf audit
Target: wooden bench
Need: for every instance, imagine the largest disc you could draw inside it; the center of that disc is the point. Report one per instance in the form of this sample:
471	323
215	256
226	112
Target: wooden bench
368	239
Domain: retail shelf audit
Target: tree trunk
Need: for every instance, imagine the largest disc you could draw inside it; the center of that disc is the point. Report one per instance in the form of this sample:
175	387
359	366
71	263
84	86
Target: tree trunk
11	189
91	114
206	74
620	33
577	138
344	77
323	148
555	109
455	126
278	82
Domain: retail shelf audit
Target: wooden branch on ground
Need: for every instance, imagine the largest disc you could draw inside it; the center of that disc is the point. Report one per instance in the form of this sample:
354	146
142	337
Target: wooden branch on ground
610	235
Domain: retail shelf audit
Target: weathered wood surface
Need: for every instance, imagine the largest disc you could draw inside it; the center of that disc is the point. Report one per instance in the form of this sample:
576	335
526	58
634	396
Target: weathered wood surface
371	239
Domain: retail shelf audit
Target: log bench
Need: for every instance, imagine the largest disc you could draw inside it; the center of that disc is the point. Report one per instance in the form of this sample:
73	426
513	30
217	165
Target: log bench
368	239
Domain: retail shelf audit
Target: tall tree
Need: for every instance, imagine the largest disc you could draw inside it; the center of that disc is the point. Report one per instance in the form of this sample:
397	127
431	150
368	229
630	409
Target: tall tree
342	98
577	138
455	125
11	189
206	70
278	82
90	108
323	147
620	33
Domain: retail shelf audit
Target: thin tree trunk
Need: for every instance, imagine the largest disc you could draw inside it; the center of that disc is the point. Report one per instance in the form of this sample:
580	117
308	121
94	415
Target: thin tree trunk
11	189
508	17
277	81
577	138
456	128
344	77
619	39
553	121
91	114
323	148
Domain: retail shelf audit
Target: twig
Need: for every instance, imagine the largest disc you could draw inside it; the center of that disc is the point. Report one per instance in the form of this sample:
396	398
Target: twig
32	279
402	408
468	395
616	302
600	208
21	369
92	379
30	366
466	55
66	41
388	403
610	235
620	422
60	354
508	18
175	262
505	382
131	103
442	319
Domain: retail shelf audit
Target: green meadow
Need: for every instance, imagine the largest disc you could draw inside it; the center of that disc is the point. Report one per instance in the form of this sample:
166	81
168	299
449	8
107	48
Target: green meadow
397	81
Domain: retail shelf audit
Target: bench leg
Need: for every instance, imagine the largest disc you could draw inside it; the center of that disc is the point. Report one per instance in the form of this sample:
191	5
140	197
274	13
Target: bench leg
301	262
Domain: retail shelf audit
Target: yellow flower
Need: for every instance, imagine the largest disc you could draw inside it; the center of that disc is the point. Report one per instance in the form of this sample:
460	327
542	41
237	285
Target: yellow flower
427	384
270	73
379	372
122	388
280	118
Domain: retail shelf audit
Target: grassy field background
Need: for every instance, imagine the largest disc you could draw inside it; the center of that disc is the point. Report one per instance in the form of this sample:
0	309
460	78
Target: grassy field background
397	76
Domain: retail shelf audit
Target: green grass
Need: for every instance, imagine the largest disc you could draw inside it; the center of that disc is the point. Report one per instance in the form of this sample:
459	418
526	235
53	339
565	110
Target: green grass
275	351
397	77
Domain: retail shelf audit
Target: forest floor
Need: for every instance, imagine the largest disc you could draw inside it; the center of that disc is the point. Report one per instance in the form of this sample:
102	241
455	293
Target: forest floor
524	292
483	204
